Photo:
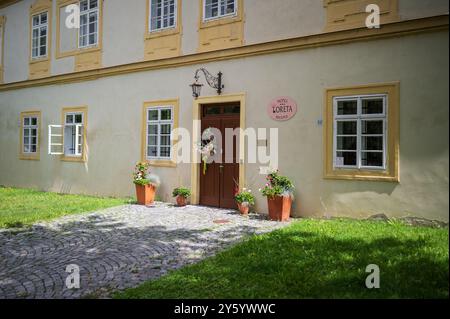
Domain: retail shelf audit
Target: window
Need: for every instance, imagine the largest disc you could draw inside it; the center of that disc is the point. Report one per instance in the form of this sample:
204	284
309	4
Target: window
159	131
39	39
214	9
89	15
73	134
163	14
360	132
30	135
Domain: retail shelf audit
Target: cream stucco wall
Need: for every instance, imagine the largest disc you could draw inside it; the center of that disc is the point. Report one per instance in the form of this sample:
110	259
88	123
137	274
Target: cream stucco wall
123	30
419	62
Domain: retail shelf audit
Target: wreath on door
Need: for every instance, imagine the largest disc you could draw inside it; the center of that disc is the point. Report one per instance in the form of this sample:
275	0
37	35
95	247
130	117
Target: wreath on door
207	148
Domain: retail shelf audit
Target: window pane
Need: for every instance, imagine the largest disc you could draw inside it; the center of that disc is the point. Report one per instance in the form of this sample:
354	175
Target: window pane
346	158
44	18
152	151
35	34
43	51
346	127
26	121
346	143
78	118
35	20
26	148
34	140
69	118
153	140
34	121
212	110
347	107
211	8
94	4
153	129
166	115
231	110
372	106
165	140
372	159
153	115
26	140
372	143
26	132
83	5
165	128
372	127
33	132
33	149
165	152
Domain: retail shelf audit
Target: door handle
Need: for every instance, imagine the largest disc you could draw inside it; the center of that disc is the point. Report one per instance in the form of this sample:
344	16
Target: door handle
221	168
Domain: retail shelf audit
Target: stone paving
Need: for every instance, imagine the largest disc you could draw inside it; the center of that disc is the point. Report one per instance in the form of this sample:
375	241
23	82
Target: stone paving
116	248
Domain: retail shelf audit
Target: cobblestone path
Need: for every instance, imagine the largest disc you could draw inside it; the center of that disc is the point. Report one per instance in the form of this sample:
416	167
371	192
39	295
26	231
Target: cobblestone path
116	248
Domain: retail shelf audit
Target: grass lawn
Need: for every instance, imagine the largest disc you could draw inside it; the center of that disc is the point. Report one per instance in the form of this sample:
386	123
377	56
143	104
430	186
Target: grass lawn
317	259
20	207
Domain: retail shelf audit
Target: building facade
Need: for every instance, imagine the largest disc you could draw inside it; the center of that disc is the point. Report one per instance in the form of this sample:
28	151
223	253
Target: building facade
80	105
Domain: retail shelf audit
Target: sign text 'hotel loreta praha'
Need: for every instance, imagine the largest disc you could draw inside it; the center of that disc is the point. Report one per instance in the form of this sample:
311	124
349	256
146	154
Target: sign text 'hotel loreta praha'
282	108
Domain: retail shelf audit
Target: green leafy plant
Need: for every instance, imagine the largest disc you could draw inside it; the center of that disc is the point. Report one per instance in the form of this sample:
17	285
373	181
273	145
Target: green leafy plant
181	191
142	175
277	185
245	197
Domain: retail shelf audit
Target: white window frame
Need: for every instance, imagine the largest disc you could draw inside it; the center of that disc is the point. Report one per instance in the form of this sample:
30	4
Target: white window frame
30	127
87	12
39	27
175	16
219	15
359	117
158	123
79	133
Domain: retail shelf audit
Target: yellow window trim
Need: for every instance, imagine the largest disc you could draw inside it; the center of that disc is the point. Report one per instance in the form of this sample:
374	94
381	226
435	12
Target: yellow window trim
40	67
2	45
176	111
79	109
346	14
22	155
83	55
231	25
391	174
162	44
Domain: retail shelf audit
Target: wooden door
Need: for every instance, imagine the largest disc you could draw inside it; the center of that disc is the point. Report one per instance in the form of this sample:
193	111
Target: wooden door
221	179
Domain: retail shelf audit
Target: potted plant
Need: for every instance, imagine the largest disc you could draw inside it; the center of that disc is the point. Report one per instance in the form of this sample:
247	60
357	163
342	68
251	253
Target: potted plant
244	200
181	194
146	183
279	192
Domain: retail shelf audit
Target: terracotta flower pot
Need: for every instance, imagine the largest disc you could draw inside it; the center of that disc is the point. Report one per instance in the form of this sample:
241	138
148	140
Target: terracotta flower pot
145	194
181	201
279	207
243	209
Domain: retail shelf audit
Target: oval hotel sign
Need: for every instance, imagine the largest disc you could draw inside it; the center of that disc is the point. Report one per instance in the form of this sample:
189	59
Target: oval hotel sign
282	108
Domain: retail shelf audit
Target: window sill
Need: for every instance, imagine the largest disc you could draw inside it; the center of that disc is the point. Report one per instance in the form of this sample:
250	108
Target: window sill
73	159
162	163
161	33
363	175
75	52
39	60
220	21
23	157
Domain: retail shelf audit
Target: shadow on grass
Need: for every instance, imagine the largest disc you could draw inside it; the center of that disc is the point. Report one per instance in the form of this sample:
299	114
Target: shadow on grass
294	263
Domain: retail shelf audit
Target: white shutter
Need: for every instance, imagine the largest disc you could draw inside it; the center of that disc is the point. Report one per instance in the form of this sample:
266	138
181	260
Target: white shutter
78	130
51	135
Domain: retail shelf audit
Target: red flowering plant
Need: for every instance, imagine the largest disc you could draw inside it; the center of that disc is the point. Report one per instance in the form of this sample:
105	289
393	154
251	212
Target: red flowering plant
277	185
142	175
